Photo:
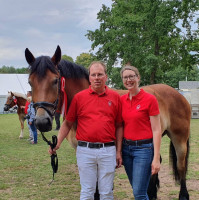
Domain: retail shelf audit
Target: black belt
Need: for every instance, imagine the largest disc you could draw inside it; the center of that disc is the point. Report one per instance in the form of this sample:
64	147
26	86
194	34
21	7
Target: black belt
95	145
137	142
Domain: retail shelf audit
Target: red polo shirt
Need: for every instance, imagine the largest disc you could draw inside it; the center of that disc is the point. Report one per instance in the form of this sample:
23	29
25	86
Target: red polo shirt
96	115
136	115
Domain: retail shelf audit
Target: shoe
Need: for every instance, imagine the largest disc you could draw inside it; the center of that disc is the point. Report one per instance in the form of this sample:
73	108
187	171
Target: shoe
30	139
56	129
32	142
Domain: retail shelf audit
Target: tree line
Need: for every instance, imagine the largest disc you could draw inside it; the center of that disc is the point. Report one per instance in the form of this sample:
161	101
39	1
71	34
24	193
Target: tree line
155	36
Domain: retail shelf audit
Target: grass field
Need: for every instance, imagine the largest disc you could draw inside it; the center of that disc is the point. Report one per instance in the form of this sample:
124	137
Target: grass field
25	169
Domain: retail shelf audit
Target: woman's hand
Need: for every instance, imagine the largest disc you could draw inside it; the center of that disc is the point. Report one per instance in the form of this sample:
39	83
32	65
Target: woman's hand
155	166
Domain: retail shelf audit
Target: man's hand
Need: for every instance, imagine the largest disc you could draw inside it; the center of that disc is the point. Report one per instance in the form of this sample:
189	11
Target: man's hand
53	151
118	159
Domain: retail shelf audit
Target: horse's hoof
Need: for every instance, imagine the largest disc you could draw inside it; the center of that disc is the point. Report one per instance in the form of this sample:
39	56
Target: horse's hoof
20	137
183	197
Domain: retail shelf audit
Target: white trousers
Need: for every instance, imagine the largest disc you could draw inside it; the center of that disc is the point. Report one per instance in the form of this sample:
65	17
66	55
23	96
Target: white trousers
96	165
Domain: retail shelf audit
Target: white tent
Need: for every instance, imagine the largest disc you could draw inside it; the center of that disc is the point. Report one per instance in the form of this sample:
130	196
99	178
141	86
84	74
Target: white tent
14	83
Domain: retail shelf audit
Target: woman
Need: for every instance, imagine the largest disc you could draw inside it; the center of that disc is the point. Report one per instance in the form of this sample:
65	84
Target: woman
142	133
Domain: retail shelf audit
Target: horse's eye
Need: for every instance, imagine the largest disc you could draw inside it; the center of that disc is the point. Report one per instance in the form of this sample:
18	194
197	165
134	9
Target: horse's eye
30	83
55	81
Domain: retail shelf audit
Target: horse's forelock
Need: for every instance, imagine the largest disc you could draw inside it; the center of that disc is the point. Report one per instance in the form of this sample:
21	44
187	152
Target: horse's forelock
41	64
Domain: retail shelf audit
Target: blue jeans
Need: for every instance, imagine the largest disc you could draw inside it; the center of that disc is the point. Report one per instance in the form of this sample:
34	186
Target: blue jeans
34	131
137	162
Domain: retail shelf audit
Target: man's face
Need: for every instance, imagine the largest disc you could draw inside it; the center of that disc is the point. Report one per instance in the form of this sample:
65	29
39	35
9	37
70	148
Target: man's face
97	77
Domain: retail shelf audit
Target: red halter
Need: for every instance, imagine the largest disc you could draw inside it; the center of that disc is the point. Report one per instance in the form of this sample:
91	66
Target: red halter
64	105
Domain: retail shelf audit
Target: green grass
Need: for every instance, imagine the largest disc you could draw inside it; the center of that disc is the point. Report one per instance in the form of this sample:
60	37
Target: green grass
25	169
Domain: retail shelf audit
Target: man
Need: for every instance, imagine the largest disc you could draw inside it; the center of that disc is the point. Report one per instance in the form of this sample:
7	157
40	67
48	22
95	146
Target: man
57	120
97	111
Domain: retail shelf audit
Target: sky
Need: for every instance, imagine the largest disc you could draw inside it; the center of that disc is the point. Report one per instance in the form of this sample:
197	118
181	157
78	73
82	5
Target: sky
41	25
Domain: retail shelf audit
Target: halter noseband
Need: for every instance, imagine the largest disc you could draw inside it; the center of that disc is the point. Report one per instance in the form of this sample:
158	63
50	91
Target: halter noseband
44	105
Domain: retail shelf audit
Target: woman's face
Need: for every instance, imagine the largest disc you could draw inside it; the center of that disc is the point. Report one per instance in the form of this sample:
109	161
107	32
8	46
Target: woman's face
130	79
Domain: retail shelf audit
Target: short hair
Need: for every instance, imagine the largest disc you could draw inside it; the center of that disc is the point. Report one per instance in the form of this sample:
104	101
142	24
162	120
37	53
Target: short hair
100	63
128	67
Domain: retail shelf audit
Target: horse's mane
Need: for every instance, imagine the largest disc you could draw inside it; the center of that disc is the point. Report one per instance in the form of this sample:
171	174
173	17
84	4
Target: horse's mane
17	94
40	65
67	68
72	70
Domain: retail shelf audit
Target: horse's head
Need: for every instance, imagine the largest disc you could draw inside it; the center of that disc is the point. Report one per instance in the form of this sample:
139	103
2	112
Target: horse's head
44	80
10	102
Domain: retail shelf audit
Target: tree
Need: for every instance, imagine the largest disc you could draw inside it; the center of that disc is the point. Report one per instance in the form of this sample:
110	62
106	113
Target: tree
85	59
145	33
65	57
12	70
173	77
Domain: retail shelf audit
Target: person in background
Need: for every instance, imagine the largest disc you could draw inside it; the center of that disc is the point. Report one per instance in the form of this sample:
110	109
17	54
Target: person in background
142	133
29	94
30	118
57	120
97	111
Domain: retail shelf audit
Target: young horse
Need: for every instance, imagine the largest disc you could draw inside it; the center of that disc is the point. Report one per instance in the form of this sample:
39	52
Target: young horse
174	109
18	99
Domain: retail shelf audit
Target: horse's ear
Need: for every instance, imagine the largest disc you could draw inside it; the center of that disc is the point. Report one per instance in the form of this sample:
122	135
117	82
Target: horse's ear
29	57
57	56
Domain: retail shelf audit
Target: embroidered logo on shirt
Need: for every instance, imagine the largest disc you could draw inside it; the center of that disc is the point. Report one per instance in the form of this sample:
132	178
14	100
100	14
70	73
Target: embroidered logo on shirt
109	103
138	107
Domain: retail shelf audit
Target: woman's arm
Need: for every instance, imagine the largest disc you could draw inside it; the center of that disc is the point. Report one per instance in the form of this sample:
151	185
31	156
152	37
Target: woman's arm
156	129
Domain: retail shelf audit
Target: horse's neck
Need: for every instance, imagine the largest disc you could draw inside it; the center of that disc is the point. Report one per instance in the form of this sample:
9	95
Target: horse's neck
21	101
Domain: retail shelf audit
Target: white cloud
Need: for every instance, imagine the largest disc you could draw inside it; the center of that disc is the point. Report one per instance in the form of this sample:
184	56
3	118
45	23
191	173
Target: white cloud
42	25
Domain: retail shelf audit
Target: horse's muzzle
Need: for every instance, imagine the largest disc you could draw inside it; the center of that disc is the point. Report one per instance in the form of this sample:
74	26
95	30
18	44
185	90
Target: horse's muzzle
6	108
43	124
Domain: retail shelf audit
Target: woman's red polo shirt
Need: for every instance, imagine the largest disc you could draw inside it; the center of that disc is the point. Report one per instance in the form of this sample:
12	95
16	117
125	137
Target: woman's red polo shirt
136	115
96	115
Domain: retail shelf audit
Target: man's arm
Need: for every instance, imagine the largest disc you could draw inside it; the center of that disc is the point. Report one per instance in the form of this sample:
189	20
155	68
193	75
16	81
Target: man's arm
63	132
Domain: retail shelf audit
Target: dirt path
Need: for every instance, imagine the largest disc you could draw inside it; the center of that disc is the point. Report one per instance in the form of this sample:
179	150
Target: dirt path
168	189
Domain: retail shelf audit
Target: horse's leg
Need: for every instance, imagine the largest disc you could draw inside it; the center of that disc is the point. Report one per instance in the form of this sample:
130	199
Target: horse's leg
179	151
96	195
154	185
22	127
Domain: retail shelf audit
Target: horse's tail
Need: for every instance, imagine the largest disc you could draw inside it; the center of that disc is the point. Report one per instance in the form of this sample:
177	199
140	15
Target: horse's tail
173	161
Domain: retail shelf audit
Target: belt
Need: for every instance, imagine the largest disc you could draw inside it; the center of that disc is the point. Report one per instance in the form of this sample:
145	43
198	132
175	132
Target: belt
95	145
137	142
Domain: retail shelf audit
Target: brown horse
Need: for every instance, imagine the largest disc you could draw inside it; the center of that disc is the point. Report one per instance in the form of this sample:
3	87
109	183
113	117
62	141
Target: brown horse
45	73
13	99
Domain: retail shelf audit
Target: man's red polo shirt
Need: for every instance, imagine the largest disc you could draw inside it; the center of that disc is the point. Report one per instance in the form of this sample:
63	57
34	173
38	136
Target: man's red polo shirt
96	115
136	115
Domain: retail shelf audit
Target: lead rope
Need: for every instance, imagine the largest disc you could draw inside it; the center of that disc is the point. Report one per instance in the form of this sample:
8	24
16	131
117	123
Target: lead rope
54	158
